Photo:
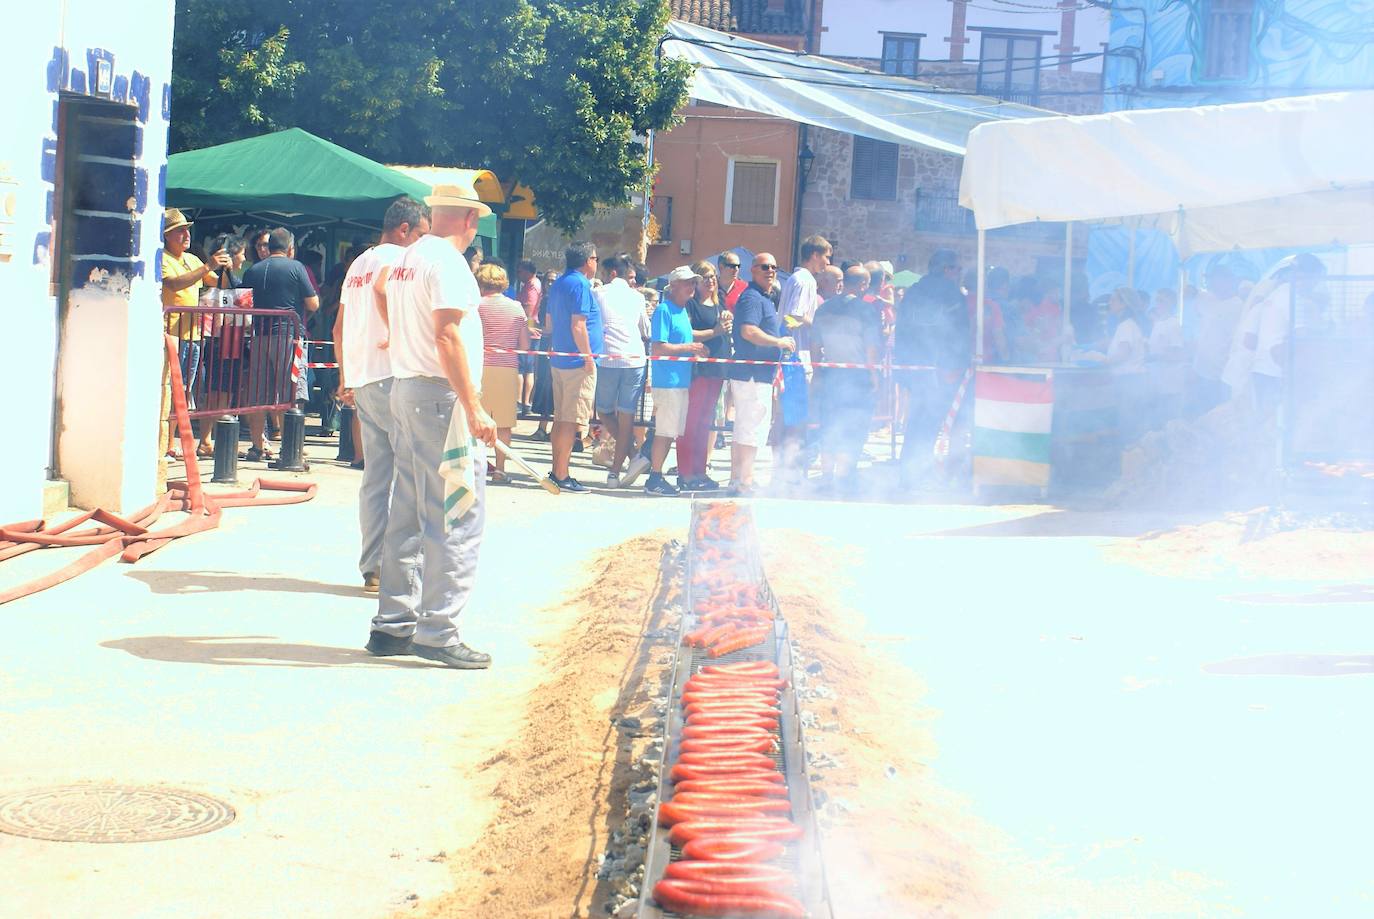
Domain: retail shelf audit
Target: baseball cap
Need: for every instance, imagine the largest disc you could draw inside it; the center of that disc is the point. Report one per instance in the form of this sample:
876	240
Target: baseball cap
682	273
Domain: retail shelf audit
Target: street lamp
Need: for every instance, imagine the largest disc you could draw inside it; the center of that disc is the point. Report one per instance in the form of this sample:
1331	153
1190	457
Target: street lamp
805	159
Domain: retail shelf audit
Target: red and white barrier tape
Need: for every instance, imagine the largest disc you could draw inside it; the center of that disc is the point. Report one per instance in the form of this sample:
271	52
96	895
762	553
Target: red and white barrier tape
942	439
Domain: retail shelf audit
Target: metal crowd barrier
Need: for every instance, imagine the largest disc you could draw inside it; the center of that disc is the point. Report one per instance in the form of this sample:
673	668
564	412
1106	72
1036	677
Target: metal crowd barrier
237	360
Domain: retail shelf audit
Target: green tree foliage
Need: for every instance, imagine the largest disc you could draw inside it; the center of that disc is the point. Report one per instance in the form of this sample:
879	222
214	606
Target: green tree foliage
552	93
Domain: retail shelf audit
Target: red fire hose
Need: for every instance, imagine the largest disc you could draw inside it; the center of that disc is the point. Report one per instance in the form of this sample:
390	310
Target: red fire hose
131	539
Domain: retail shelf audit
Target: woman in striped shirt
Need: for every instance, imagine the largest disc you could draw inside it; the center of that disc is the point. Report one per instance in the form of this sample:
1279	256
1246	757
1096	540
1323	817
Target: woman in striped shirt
503	326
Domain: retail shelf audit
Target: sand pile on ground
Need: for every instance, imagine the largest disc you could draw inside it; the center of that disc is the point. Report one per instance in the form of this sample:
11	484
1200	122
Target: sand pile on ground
559	788
1224	456
1258	543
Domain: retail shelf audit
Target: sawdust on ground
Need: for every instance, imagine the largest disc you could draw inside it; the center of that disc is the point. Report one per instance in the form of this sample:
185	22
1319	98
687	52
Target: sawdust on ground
907	846
1248	544
557	789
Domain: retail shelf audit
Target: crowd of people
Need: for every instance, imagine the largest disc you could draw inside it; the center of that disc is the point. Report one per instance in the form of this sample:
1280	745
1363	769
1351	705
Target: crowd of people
624	378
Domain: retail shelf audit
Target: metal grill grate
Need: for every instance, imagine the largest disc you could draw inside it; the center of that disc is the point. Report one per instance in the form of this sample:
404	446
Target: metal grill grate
800	857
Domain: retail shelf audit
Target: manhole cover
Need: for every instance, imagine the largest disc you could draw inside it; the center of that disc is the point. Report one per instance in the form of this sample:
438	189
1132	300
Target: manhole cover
110	813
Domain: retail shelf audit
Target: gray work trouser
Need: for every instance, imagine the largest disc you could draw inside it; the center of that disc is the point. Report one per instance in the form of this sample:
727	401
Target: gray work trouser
373	403
428	570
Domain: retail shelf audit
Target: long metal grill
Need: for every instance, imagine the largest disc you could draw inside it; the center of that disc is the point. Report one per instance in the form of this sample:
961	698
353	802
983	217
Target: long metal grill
801	857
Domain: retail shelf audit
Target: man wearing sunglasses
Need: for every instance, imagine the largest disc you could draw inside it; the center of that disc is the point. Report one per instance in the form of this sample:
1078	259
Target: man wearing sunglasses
731	284
757	336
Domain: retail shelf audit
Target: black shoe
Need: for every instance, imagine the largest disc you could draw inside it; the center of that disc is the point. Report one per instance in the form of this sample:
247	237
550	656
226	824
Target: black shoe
700	483
720	441
459	656
658	485
380	644
577	446
569	484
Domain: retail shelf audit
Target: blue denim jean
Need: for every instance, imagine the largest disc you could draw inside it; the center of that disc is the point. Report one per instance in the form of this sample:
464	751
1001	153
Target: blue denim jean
373	403
188	356
428	570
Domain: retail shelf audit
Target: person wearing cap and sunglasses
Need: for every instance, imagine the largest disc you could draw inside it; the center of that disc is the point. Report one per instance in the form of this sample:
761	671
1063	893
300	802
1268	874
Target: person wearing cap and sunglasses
756	336
429	559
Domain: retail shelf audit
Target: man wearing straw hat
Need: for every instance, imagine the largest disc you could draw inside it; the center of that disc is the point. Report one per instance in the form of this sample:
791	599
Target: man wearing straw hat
429	557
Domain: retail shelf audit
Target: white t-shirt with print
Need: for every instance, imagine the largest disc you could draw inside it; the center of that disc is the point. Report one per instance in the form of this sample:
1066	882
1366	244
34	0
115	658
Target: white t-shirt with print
625	324
363	330
432	275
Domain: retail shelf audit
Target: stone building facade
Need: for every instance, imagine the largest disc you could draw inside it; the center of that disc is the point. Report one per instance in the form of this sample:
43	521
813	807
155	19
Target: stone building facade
922	212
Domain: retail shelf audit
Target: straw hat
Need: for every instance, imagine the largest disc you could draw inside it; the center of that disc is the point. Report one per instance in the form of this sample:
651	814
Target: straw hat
173	219
457	196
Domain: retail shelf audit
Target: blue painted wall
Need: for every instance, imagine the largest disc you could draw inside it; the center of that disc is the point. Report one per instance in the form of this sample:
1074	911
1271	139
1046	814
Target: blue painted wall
1156	60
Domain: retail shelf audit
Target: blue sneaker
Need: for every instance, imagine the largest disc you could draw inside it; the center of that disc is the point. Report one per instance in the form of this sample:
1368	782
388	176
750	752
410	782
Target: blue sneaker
658	485
569	484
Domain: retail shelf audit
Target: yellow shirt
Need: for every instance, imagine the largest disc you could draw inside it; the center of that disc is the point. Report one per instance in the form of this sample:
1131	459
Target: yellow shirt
182	325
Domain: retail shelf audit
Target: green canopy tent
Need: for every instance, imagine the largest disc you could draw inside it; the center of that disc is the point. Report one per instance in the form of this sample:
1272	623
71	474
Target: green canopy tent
292	178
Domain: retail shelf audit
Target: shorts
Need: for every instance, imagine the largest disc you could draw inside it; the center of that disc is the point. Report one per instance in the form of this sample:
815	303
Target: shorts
618	389
573	392
670	412
270	369
500	387
527	362
753	412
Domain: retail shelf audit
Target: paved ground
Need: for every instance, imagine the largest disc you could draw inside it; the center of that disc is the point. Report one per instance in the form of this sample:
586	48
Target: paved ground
1078	710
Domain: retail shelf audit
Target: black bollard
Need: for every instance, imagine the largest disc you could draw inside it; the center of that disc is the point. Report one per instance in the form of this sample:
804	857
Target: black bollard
226	451
346	450
291	456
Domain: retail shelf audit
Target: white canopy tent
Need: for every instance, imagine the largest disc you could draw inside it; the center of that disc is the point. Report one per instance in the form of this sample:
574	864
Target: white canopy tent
814	90
1296	171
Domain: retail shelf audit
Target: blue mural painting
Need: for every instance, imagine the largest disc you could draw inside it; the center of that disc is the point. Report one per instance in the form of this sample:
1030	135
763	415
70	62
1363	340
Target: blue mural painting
1166	53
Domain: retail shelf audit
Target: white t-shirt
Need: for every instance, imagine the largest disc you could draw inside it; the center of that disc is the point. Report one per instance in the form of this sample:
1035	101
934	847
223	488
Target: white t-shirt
363	330
1127	349
1271	330
432	275
1166	343
625	324
1217	326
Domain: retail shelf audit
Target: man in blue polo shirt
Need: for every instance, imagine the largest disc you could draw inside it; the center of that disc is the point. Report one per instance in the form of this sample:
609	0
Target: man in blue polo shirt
671	336
757	337
577	328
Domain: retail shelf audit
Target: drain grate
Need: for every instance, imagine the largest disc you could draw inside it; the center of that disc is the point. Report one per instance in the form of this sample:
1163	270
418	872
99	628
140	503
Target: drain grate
111	813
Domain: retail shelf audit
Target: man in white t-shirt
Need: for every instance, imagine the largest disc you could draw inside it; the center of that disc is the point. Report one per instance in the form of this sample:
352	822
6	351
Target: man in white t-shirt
436	347
1267	326
797	306
1219	308
620	380
361	339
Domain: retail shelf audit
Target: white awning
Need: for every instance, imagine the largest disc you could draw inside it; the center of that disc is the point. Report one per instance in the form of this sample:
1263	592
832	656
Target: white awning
819	91
1286	172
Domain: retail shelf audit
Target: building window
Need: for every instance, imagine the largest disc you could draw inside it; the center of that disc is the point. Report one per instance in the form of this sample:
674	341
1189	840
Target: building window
1226	34
874	173
1009	67
901	53
751	192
